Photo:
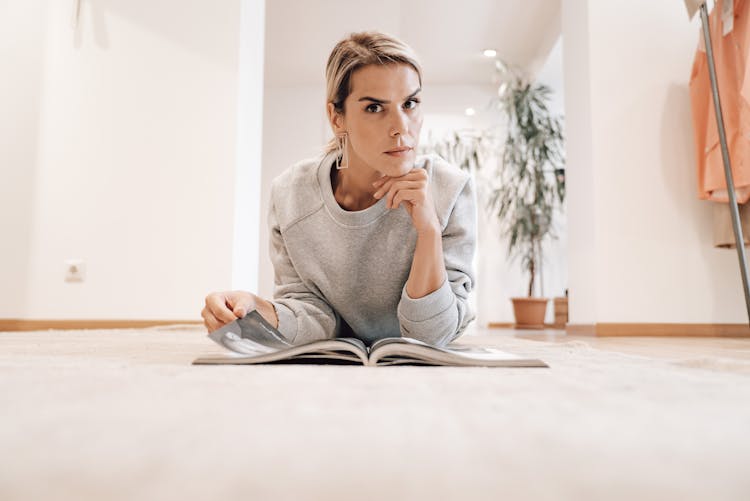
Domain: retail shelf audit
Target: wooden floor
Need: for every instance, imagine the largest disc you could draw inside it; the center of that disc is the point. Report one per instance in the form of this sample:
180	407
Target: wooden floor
658	347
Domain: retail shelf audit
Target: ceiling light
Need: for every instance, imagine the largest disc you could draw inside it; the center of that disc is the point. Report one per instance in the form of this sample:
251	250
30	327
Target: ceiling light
490	52
470	112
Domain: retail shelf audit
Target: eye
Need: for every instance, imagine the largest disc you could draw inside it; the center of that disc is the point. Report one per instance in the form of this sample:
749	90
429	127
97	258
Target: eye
369	108
415	101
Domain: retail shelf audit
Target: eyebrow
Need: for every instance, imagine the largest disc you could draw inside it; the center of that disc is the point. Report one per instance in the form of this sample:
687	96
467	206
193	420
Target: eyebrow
382	101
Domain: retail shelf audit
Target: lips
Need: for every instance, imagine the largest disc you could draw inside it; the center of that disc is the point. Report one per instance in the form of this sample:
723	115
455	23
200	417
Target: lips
397	150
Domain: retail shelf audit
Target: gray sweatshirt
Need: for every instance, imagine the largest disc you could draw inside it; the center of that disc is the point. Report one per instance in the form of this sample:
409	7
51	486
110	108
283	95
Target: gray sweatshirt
341	273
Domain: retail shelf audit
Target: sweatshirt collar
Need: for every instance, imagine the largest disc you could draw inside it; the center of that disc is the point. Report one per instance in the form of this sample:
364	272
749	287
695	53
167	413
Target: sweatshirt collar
339	214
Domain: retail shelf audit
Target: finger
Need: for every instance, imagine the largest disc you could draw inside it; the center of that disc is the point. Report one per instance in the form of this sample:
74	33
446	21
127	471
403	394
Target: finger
205	322
383	188
241	303
240	310
380	181
217	306
209	320
401	186
394	184
414	197
415	174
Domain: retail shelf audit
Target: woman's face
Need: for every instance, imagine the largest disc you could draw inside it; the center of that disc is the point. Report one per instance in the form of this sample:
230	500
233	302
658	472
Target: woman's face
382	113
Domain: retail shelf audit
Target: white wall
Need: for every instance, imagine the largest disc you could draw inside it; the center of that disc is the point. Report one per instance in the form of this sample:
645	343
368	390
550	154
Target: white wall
121	151
125	158
21	52
119	146
640	242
294	128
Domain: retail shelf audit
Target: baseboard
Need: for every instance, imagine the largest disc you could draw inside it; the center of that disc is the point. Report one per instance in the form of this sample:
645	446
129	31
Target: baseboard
581	329
511	325
599	329
15	324
659	330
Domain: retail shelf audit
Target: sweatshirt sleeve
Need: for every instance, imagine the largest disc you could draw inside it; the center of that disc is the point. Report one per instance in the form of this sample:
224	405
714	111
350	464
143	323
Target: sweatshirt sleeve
303	315
442	315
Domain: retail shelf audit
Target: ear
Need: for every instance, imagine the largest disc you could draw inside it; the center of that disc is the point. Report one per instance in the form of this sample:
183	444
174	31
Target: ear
336	120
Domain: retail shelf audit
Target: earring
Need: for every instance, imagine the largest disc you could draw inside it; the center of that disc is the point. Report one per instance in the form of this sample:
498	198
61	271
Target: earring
342	159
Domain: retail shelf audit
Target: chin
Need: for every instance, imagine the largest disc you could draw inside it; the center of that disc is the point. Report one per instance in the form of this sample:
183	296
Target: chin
403	165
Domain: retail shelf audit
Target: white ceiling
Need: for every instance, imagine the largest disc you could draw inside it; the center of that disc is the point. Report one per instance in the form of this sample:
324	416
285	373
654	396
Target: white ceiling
448	35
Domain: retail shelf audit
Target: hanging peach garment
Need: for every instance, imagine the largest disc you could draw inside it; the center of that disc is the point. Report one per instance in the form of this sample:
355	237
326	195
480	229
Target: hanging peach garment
733	74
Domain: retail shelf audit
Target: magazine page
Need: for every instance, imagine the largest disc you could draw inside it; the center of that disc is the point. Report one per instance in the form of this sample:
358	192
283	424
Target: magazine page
252	339
250	334
402	351
328	351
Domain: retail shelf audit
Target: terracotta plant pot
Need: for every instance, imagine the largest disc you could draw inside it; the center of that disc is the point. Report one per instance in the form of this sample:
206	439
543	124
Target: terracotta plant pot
529	312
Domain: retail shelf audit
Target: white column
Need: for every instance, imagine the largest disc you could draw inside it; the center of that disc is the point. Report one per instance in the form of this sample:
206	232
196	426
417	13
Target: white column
580	176
247	180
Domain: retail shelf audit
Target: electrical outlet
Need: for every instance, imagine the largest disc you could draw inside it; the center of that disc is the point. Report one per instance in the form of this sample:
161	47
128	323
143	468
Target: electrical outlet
75	270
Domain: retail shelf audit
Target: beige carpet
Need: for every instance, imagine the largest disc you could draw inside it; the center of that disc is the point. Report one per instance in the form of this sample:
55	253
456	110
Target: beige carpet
121	414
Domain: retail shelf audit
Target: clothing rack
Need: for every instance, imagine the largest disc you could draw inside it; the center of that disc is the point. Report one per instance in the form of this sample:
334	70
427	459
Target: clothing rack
733	207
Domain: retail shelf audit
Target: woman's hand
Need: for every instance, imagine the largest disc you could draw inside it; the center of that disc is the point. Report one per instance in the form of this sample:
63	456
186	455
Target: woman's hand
413	190
224	307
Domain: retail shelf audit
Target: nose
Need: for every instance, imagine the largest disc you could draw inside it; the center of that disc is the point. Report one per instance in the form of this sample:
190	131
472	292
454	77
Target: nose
399	126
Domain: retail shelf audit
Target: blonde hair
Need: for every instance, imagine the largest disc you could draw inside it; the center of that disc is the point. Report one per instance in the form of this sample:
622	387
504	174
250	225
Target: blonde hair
354	52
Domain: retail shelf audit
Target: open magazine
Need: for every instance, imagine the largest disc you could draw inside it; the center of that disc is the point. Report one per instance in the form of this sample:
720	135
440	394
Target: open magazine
252	340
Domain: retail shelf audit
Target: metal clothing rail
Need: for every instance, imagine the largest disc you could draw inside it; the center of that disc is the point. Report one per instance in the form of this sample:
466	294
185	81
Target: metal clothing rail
733	207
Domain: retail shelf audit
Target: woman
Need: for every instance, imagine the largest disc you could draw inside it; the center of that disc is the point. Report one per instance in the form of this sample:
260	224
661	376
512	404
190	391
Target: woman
369	239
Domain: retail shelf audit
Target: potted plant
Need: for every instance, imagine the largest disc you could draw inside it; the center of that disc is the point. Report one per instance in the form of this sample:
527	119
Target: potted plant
530	182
